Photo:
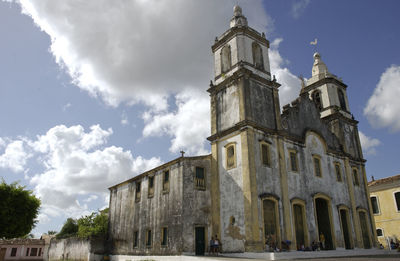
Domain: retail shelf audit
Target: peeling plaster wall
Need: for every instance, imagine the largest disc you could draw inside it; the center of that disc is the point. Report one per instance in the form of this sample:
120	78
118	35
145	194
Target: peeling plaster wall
231	199
259	104
197	203
227	107
179	209
163	209
76	249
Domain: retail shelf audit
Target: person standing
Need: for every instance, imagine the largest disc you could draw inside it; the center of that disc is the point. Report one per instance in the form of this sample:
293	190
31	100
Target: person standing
322	240
212	245
216	244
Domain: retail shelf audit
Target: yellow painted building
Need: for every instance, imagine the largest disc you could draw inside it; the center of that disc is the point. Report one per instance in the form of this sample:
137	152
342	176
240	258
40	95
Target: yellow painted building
385	200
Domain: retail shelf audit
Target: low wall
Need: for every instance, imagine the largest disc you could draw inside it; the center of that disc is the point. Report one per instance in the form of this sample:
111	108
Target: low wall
76	249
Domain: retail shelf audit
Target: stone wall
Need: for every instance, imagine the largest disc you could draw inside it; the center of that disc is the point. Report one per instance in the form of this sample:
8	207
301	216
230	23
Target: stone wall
76	249
179	209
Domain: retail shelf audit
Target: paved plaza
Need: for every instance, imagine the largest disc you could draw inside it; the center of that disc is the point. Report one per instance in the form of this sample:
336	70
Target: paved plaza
341	255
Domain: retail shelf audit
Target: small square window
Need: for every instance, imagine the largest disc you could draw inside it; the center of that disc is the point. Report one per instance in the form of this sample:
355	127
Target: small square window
137	194
379	232
397	199
338	172
166	181
200	180
375	206
356	180
317	166
164	236
135	239
151	186
33	251
265	155
13	251
148	238
293	161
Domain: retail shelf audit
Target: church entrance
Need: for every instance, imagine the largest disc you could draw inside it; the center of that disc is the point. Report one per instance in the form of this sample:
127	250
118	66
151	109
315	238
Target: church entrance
345	228
299	226
271	233
200	242
324	223
364	229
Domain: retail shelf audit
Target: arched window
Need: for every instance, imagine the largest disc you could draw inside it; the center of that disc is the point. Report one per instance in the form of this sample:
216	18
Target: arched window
316	96
356	180
230	156
342	100
379	232
257	56
225	58
317	166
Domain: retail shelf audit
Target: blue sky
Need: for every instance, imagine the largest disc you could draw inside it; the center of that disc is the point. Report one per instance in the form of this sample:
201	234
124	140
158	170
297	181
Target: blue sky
94	92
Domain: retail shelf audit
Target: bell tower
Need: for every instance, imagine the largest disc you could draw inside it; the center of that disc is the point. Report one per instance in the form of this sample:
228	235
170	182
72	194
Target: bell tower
244	103
242	91
329	95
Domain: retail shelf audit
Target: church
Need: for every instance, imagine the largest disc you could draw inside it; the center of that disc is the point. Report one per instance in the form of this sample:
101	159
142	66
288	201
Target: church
276	179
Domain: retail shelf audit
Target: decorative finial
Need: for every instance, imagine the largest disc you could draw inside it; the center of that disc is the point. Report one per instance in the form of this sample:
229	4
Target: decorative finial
372	177
273	78
182	153
315	44
238	19
237	10
211	83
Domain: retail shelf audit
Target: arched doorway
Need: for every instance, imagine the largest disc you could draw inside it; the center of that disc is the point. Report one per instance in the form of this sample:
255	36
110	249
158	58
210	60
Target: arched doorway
345	226
300	224
271	223
364	228
324	222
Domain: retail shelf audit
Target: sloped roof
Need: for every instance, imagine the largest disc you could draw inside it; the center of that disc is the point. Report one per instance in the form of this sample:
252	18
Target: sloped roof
387	180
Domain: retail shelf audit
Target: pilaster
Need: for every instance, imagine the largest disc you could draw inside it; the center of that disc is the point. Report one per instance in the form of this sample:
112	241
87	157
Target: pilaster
215	192
372	220
287	225
356	221
252	226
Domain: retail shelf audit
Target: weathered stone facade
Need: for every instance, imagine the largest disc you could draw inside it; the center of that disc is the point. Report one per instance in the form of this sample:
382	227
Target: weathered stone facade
271	178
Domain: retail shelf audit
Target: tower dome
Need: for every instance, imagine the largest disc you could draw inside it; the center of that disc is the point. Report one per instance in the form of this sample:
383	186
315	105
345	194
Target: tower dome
319	67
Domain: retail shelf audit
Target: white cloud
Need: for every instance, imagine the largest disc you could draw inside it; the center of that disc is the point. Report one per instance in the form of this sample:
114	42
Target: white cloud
15	156
298	7
290	84
189	125
382	109
66	106
124	119
131	51
368	144
75	163
91	198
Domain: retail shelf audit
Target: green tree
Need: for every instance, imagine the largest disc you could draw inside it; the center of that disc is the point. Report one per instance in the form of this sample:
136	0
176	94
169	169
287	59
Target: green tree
18	210
95	224
69	229
51	232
